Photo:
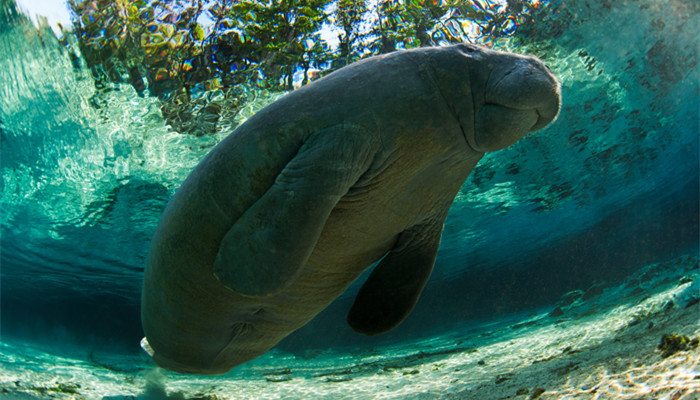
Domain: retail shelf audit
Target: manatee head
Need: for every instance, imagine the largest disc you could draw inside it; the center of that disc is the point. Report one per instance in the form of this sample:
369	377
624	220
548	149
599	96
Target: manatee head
497	97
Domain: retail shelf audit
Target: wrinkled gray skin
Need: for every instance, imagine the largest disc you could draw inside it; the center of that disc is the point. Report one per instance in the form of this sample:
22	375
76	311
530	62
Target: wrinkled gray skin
282	216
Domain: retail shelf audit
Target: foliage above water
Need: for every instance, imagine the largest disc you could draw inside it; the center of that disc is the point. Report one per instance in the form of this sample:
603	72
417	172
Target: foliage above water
202	57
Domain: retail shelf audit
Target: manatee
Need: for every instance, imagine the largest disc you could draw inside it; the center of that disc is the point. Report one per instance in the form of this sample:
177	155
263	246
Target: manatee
357	167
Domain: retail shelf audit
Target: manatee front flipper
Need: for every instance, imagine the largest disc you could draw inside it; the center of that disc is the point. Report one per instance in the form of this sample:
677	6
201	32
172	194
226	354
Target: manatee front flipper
393	288
274	238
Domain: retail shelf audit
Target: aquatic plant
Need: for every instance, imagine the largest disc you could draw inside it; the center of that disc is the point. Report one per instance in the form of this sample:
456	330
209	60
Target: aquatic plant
673	343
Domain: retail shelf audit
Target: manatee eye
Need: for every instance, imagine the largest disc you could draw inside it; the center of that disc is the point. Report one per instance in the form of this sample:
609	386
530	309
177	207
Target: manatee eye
468	47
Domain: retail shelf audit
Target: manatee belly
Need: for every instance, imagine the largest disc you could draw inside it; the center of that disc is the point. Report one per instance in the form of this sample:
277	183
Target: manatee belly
362	228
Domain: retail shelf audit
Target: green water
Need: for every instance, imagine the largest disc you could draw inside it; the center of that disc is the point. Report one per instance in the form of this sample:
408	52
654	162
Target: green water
95	142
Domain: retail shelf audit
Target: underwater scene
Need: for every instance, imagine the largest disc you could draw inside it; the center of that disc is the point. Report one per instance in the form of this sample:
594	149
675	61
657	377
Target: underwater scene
567	267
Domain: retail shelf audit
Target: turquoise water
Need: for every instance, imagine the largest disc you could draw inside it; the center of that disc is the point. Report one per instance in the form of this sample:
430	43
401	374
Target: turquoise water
608	189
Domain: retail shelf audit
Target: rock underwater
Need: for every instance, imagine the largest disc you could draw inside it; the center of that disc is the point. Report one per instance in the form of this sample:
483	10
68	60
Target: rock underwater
360	166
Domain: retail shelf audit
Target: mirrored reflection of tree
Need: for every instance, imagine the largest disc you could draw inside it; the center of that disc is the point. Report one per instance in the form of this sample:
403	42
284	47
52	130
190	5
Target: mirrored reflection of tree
205	59
349	15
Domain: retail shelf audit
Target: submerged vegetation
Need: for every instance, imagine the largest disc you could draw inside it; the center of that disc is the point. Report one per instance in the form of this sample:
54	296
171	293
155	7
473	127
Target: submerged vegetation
672	344
202	58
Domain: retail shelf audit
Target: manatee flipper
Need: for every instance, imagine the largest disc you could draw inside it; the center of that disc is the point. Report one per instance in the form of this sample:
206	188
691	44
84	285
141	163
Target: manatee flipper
272	240
393	288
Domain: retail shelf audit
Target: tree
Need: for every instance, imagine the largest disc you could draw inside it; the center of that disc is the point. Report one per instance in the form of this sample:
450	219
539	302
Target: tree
348	16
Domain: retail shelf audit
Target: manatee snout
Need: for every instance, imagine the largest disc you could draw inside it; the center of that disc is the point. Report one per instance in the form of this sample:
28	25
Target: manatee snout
521	96
527	85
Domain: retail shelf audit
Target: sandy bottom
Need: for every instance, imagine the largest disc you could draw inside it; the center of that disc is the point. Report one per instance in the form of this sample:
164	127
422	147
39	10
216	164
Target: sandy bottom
602	343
